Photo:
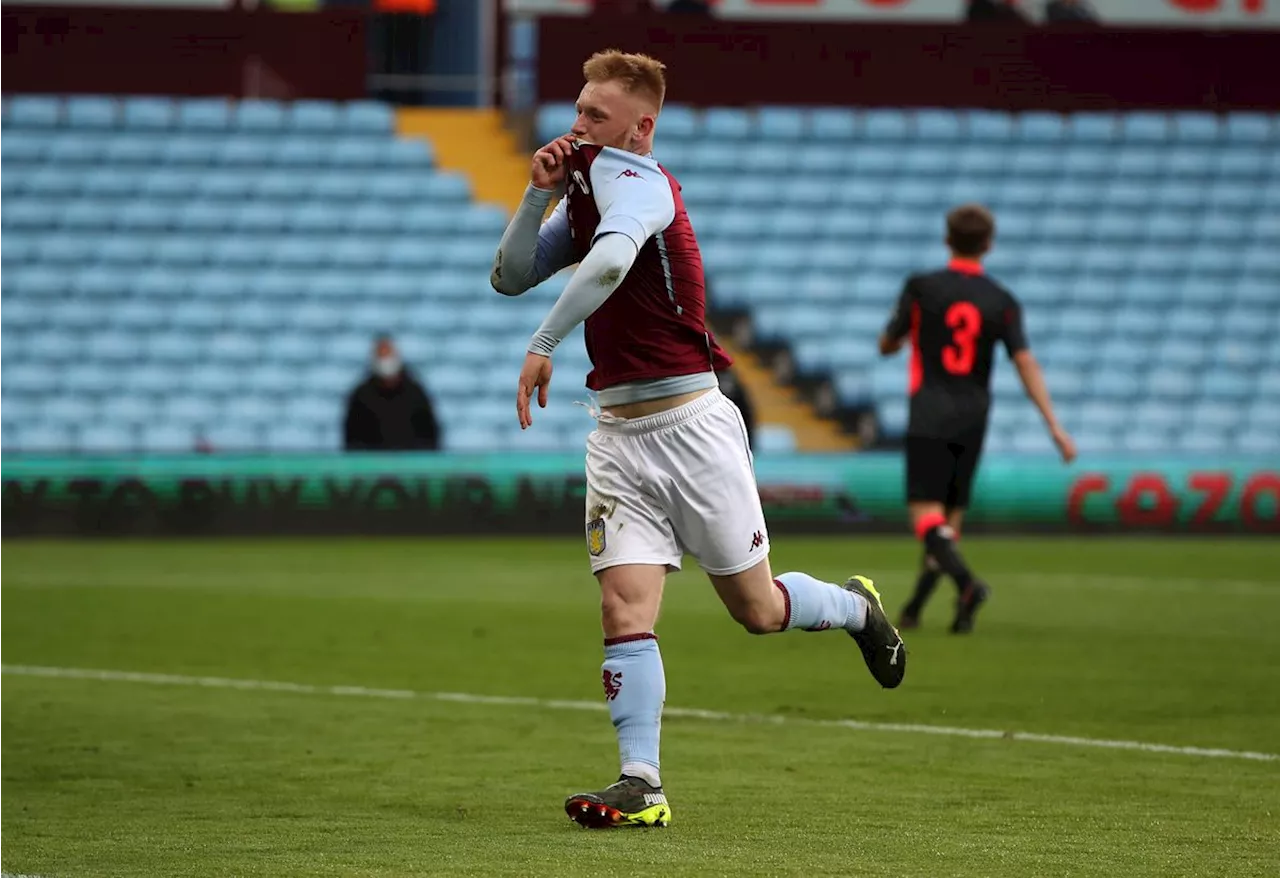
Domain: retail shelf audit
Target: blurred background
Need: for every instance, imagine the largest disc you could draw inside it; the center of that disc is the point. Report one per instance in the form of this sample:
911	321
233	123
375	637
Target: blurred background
243	242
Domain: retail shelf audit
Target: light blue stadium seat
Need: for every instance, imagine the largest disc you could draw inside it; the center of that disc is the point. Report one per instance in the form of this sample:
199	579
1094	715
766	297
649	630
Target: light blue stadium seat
1146	441
72	412
233	436
23	148
107	437
147	114
41	437
726	123
1249	128
53	184
172	346
1257	442
886	126
1216	415
1191	127
767	158
1225	385
368	118
87	113
31	215
167	438
832	124
31	112
1041	127
554	119
317	117
678	122
254	114
191	150
774	439
1146	127
775	123
1158	416
988	126
204	114
143	150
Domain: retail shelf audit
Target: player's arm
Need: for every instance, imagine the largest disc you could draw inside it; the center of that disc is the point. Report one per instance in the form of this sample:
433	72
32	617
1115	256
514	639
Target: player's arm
531	250
1032	377
633	208
895	332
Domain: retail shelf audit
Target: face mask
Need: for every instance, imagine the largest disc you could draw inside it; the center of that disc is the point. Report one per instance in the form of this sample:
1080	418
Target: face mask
386	367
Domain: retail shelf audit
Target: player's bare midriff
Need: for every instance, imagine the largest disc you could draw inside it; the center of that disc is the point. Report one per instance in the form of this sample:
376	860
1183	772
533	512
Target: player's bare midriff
653	406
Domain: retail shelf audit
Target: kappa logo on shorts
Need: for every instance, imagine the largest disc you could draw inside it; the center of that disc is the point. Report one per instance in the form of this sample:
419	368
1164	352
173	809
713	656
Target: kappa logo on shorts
595	536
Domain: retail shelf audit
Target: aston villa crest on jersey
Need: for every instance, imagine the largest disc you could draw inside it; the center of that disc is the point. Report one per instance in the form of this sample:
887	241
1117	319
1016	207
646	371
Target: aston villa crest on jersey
595	536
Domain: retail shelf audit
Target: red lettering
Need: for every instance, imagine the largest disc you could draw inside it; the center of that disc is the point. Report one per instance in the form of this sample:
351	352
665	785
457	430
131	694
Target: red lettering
1259	485
1253	7
1147	502
1215	486
1090	483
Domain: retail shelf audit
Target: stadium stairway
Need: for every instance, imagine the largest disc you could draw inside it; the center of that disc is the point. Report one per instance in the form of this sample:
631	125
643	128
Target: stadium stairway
475	143
777	404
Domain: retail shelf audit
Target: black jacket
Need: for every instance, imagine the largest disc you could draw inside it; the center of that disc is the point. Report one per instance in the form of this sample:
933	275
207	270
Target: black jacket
394	418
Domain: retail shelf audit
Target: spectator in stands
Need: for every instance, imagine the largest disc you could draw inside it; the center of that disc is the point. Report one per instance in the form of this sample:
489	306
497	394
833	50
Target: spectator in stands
1060	11
390	409
731	387
996	10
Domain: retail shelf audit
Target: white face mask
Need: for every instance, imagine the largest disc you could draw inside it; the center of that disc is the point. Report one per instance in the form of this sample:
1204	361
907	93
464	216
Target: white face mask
386	367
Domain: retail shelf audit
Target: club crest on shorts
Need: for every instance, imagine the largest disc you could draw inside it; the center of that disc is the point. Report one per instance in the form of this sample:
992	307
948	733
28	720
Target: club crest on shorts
595	536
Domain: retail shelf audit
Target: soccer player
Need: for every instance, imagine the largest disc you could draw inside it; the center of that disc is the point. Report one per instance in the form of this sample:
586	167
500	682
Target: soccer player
954	318
668	466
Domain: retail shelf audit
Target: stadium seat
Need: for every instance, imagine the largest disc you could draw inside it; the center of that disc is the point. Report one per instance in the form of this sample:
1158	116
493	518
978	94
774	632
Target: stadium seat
218	245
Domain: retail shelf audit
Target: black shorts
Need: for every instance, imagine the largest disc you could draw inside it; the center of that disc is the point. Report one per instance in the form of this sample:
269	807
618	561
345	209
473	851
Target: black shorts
943	470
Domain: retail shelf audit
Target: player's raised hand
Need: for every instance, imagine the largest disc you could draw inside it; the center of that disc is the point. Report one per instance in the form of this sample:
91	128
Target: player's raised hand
536	375
1066	445
549	163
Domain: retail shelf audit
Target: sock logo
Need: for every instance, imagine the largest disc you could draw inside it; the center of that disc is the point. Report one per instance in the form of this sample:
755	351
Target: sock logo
757	540
612	684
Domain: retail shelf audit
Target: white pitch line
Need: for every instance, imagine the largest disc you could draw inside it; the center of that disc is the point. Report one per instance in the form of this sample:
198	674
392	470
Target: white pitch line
593	706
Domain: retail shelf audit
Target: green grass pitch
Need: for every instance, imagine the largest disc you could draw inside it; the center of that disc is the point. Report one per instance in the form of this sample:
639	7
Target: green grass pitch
1169	642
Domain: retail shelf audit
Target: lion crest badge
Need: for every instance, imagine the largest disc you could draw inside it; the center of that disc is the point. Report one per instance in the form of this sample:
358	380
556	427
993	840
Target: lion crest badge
595	536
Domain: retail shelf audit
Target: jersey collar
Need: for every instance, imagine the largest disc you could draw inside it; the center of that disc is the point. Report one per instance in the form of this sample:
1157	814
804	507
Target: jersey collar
965	266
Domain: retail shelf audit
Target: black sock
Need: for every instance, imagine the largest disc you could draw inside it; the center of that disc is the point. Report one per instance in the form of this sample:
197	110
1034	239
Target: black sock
925	584
940	545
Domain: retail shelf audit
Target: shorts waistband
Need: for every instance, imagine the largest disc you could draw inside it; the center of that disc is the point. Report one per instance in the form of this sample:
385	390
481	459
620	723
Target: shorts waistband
662	420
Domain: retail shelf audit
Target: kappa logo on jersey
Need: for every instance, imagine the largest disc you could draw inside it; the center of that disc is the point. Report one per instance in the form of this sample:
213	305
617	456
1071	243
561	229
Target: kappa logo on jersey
612	684
757	540
629	173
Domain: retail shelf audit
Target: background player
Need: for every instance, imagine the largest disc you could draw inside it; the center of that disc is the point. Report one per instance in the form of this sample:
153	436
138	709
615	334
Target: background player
668	467
954	318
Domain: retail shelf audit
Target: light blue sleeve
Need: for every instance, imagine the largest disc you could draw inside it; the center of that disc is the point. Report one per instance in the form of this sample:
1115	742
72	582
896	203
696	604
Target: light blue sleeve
555	243
531	250
632	194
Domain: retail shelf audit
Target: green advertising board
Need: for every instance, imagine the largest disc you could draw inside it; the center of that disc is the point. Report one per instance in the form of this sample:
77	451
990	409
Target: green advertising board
544	493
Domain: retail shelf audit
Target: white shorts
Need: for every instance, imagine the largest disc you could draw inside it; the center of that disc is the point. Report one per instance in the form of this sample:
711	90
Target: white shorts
678	481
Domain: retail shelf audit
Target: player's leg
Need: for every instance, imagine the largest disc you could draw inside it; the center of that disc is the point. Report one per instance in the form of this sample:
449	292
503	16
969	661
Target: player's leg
975	592
928	470
926	582
932	467
632	546
717	515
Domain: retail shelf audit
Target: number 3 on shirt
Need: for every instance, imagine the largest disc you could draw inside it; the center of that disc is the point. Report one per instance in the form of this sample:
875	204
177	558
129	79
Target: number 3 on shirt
965	321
